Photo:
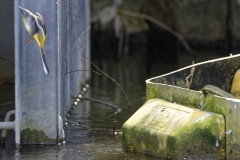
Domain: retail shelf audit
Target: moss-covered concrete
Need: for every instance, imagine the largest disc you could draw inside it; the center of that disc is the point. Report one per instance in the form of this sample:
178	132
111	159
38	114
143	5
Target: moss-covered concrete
202	138
219	72
190	98
34	136
169	130
214	104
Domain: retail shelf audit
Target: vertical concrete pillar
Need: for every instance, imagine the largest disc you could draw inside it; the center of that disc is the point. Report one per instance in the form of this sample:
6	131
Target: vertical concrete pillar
41	98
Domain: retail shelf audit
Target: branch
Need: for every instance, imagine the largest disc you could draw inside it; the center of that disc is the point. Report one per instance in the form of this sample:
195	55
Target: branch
190	75
81	70
6	104
100	102
5	81
7	60
76	124
159	23
113	81
11	64
78	70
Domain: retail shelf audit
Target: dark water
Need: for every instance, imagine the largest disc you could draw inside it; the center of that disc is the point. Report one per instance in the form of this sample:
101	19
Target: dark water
96	139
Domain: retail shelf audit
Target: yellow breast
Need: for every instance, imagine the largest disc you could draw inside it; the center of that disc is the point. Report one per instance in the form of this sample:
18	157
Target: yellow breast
40	39
26	25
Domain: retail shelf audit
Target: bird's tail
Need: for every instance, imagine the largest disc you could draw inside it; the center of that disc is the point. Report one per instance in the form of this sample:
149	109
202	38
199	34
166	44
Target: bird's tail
44	62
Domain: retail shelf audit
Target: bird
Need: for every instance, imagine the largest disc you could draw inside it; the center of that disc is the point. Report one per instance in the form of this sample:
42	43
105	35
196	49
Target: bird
34	24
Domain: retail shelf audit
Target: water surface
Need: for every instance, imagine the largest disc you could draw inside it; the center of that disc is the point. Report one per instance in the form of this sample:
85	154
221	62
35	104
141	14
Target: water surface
94	137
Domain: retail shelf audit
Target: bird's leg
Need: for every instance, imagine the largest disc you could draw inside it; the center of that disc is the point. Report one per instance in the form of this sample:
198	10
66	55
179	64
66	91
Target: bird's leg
29	40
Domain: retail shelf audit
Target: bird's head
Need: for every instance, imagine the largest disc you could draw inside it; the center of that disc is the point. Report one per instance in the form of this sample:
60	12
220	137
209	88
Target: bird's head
25	12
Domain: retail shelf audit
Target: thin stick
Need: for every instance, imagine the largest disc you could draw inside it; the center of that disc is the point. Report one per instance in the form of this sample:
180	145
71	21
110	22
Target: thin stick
6	104
81	70
98	101
6	80
76	124
159	23
190	75
113	81
11	64
7	60
78	70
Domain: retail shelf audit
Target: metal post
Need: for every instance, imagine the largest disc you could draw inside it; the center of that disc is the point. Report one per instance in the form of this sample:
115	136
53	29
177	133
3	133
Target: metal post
17	73
42	99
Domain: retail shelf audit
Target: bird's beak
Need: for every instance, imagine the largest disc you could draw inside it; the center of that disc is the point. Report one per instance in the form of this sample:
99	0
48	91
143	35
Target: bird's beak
20	7
23	10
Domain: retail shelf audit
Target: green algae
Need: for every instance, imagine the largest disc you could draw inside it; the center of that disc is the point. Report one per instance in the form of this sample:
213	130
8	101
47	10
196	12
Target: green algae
172	87
179	95
152	92
190	98
195	137
215	104
34	136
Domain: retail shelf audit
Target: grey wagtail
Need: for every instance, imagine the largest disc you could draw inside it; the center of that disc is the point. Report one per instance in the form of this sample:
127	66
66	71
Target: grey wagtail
36	28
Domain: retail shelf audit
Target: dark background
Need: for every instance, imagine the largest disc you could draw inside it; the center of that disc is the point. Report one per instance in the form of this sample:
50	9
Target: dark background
209	27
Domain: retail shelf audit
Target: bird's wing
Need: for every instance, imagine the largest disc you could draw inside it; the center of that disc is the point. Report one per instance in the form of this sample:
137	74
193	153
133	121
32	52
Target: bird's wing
41	22
32	24
34	28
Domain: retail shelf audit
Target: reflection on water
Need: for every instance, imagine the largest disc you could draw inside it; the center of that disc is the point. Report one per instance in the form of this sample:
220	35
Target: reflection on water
100	138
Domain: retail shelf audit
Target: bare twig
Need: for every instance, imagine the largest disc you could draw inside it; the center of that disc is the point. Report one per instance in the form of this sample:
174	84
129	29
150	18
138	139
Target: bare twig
100	102
7	60
78	70
11	64
161	24
113	81
190	75
114	127
6	80
6	104
81	70
76	124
